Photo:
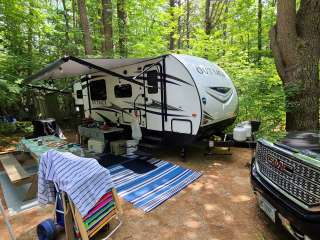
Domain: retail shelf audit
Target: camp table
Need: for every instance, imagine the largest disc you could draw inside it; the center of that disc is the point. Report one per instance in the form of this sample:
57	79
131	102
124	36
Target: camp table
17	174
48	142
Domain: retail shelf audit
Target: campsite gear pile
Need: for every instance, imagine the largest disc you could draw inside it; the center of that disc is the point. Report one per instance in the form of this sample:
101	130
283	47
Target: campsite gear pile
45	127
118	147
96	146
89	200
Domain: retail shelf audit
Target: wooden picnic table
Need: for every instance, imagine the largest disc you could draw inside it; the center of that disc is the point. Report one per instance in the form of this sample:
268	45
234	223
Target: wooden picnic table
15	171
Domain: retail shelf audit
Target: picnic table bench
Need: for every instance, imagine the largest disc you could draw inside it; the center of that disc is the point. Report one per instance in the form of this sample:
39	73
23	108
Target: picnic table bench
15	170
18	175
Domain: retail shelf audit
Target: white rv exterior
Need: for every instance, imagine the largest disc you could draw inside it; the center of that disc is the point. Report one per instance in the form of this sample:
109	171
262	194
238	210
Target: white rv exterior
176	97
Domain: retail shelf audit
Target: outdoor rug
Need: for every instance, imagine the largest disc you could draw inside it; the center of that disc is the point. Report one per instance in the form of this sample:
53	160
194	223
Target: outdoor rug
150	189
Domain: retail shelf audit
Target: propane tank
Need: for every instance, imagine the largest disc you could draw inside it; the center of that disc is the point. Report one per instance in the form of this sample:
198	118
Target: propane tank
240	134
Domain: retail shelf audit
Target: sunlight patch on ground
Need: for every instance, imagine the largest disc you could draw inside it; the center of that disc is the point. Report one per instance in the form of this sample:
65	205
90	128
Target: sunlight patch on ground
229	218
192	224
196	186
210	207
241	198
212	176
217	164
209	186
192	235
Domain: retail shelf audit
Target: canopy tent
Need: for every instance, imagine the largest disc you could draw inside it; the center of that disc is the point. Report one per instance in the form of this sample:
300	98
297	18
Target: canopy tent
70	66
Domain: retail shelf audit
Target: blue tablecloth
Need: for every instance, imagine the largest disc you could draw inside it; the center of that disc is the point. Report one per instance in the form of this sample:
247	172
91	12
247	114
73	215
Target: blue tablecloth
48	142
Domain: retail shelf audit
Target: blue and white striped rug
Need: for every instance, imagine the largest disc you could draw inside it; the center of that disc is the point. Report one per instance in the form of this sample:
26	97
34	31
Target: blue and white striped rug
149	190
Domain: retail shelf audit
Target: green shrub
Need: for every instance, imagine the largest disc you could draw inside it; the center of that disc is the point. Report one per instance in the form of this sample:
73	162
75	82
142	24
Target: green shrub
6	128
25	126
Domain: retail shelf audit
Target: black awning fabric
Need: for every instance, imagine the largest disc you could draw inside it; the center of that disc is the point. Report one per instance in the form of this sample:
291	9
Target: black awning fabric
70	66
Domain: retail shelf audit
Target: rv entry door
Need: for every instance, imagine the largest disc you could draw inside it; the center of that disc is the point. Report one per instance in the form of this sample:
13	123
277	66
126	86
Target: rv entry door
153	88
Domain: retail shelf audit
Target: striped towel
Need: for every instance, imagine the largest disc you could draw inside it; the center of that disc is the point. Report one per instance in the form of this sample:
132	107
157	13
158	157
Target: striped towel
83	179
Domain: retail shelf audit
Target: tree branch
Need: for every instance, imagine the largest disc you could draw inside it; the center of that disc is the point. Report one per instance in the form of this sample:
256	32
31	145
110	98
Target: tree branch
218	14
276	52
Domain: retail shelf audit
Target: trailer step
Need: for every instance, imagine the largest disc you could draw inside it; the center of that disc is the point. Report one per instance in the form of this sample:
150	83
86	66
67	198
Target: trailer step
149	146
153	138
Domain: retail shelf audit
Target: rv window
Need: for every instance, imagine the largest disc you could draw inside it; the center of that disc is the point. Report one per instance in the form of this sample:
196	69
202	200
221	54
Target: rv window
79	94
98	90
123	91
152	81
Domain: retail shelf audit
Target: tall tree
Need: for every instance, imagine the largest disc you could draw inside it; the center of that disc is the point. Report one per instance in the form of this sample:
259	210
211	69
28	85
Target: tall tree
30	38
107	44
188	10
179	42
67	28
171	34
259	29
295	45
122	24
88	48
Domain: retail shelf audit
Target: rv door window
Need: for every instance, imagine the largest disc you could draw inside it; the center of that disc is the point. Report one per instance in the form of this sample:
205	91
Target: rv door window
123	91
152	81
79	94
98	90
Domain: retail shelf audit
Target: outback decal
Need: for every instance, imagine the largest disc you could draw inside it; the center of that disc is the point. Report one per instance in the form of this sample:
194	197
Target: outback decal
206	70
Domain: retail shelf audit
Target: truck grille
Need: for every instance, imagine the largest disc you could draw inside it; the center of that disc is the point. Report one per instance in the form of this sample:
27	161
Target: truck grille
290	174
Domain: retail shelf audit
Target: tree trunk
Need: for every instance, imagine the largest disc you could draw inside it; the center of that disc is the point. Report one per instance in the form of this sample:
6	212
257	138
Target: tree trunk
67	30
295	45
30	47
171	34
122	23
179	28
88	49
207	19
225	29
30	42
107	45
188	23
259	30
73	4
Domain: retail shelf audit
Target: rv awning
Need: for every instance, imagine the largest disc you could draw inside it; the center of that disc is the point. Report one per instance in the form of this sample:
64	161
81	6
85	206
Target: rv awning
70	66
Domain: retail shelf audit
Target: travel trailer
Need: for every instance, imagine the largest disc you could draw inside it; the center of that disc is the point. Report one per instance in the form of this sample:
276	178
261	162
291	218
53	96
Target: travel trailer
176	98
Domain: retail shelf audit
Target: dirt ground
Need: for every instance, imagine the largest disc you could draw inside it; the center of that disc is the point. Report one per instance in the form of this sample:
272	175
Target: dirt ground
220	205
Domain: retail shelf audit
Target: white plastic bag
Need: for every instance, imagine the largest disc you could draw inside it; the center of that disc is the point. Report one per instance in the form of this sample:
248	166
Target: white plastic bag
135	128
